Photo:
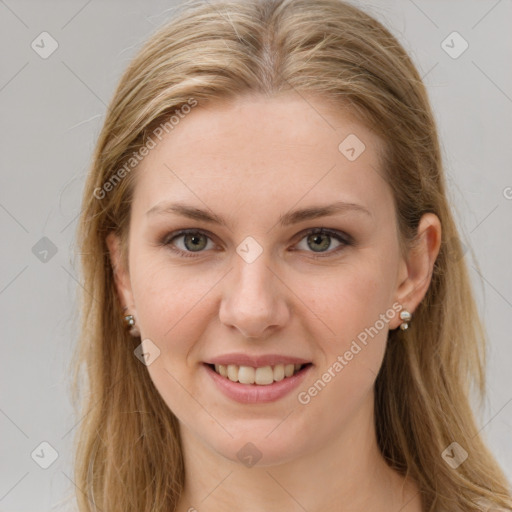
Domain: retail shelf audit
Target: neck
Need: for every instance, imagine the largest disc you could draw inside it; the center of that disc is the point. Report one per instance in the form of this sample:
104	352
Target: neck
345	473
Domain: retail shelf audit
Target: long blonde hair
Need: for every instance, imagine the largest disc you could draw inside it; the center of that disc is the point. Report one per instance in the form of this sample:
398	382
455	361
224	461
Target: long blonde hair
128	449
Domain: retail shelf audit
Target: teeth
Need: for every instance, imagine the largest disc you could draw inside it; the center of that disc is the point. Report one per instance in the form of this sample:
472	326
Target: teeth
278	372
288	370
245	374
262	376
233	372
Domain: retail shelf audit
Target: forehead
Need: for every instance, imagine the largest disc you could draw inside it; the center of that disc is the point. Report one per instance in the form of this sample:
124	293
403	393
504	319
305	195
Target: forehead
253	151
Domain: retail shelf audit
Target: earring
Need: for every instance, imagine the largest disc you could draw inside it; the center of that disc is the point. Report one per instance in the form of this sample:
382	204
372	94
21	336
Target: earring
129	321
406	317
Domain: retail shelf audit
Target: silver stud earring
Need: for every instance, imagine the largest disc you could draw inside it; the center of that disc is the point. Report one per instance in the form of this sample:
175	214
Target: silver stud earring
129	321
406	317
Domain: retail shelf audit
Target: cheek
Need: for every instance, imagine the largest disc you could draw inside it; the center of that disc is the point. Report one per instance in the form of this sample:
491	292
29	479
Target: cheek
173	310
350	297
354	305
172	302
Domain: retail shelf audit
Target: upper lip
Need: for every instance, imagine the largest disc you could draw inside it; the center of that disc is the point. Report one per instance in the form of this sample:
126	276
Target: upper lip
255	361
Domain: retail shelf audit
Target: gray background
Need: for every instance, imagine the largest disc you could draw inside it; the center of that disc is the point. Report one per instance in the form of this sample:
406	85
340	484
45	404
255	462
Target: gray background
51	113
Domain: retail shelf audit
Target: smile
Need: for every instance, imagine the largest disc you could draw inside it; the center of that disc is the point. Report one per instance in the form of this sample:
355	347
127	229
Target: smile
256	384
263	375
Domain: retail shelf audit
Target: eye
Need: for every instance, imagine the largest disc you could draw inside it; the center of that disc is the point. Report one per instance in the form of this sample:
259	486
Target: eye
319	240
191	241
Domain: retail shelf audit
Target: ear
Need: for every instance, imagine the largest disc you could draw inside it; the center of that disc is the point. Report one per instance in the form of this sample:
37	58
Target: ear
121	274
416	269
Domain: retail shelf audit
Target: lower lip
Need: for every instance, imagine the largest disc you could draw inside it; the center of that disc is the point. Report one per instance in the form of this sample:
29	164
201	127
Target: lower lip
255	393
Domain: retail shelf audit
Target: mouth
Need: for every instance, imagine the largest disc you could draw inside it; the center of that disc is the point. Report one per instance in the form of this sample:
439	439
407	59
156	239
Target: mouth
261	376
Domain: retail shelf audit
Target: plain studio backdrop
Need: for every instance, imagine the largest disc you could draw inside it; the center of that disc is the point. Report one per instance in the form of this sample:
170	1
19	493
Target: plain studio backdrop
53	98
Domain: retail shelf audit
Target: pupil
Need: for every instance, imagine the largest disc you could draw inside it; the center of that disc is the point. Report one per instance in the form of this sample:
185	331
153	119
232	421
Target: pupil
196	242
317	239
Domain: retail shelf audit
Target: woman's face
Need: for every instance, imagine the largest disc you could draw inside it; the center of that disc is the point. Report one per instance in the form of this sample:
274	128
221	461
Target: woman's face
255	282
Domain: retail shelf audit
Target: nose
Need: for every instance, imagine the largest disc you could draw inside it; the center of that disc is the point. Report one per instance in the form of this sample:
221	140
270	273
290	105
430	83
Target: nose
254	299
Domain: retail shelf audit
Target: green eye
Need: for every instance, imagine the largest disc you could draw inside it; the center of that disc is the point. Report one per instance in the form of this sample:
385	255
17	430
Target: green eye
320	240
195	241
192	241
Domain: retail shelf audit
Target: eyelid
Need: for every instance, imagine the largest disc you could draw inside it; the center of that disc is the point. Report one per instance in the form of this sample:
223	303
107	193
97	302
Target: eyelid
342	236
187	231
168	238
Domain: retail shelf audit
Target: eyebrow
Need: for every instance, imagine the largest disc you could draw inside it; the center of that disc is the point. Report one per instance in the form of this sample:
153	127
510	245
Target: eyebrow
287	219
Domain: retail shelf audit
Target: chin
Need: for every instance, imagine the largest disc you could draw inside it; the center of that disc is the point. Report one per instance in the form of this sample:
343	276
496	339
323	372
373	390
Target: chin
258	448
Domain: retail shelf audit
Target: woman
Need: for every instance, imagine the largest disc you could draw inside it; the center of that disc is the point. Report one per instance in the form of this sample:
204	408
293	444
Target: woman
279	316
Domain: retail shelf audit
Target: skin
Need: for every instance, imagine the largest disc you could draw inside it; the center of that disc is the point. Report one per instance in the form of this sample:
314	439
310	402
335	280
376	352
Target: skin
251	160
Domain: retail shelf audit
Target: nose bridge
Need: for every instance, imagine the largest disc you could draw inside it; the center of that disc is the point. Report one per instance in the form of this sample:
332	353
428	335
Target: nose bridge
252	302
254	279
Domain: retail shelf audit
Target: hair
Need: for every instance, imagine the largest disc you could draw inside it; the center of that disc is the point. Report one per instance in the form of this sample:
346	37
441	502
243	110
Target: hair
128	449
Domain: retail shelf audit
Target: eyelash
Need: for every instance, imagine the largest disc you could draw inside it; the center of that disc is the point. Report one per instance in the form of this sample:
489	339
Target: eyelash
345	239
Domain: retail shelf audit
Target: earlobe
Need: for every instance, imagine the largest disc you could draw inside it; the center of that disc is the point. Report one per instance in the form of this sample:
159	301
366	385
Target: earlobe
420	263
